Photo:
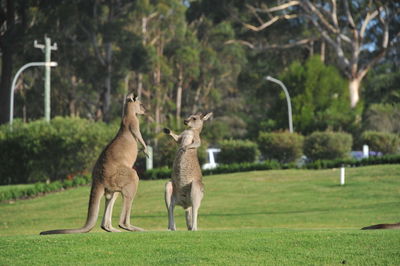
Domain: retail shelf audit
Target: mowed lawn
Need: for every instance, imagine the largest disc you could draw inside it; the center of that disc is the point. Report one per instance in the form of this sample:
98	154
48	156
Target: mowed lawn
261	217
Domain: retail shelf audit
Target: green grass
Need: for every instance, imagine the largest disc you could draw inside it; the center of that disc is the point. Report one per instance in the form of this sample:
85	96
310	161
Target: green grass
262	217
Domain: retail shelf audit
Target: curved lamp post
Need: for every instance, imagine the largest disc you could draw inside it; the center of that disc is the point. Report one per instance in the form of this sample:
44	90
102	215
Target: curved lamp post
287	98
52	64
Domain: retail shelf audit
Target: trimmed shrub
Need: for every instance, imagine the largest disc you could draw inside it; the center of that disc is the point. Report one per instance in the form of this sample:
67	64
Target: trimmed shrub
328	145
41	188
157	173
237	151
387	143
284	147
40	151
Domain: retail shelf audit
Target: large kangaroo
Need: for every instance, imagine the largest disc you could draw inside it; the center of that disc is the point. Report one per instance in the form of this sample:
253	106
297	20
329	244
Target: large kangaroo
382	226
113	173
186	188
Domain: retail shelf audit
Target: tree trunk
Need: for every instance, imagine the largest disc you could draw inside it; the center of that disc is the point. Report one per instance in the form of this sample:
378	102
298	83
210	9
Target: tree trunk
107	94
354	89
140	85
5	83
71	97
179	96
7	52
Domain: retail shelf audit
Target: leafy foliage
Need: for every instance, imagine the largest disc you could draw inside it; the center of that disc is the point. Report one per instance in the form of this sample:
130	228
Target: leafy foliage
238	151
328	145
387	143
319	98
284	147
383	117
41	151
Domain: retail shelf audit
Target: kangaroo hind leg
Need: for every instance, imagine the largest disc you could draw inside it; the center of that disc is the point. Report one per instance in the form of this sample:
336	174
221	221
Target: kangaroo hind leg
170	204
128	193
189	218
196	195
106	223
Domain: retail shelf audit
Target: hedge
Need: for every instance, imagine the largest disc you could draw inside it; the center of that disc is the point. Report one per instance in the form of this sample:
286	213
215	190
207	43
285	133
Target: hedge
387	143
328	145
42	188
284	147
238	151
40	151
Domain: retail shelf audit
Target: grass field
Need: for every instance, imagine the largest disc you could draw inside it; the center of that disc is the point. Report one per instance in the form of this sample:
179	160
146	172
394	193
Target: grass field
264	217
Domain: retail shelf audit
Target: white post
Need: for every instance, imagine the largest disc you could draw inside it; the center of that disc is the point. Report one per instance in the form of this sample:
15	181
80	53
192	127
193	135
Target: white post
46	48
365	151
149	160
342	175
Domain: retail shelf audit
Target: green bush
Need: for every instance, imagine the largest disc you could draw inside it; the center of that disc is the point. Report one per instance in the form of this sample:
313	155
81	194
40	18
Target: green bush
382	117
387	143
284	147
157	173
237	151
41	188
328	145
40	151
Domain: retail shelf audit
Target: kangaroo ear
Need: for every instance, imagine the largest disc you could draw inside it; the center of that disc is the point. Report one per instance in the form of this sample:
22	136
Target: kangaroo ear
207	116
130	97
135	97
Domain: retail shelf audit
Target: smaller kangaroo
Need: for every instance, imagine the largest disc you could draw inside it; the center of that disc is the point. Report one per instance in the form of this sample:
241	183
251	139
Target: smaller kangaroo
382	226
113	173
186	188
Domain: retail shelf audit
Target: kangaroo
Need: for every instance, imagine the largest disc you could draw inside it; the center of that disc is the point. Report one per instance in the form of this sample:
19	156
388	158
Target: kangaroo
113	173
186	188
382	226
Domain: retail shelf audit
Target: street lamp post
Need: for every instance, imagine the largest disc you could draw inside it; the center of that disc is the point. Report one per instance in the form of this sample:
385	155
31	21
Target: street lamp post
48	64
287	98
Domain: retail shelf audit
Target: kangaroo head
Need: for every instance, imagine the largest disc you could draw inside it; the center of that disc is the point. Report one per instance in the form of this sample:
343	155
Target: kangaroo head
133	105
196	121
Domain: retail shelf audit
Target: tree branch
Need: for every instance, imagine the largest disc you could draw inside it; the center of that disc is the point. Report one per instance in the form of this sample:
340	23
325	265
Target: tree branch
312	9
272	46
268	23
280	7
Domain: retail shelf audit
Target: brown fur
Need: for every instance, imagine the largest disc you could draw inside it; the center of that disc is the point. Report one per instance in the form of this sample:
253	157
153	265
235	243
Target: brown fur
113	173
186	188
382	226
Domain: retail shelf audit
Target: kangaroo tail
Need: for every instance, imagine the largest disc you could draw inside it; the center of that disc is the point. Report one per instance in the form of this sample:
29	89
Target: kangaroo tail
382	226
93	212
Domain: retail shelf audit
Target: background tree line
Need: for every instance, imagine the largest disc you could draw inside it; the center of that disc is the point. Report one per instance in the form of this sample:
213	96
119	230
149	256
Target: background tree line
339	60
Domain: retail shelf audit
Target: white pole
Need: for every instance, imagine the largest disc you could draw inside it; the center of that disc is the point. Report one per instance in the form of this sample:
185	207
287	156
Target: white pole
342	175
365	151
46	48
149	160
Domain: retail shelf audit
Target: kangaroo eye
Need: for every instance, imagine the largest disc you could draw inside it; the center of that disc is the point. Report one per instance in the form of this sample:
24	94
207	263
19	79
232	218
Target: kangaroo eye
194	118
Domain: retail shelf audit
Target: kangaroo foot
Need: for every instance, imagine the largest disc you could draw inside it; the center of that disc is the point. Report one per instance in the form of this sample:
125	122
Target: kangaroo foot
110	229
131	228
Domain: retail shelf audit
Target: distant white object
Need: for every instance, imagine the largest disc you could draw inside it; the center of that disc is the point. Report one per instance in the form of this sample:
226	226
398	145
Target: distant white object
365	151
211	164
342	174
149	160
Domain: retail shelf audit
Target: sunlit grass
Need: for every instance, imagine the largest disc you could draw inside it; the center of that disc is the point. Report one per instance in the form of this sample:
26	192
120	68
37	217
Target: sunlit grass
262	217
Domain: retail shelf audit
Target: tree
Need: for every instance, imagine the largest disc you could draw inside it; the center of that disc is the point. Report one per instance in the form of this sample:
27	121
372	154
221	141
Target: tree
13	23
359	32
318	98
